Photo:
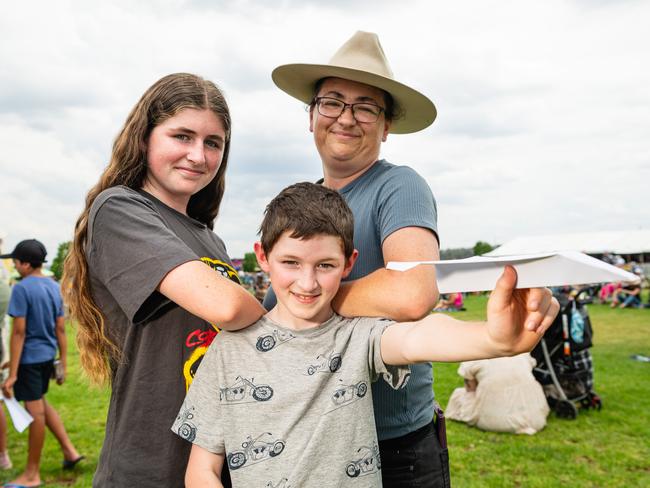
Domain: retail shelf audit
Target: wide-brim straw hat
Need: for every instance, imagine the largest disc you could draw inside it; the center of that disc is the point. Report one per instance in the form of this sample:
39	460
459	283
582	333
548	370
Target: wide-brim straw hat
360	59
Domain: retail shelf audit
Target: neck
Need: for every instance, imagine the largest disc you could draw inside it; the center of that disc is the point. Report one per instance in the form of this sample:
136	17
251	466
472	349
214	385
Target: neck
337	179
36	272
294	323
179	203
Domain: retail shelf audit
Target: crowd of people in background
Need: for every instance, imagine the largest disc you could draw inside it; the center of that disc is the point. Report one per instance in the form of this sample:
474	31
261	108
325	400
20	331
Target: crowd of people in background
617	295
623	294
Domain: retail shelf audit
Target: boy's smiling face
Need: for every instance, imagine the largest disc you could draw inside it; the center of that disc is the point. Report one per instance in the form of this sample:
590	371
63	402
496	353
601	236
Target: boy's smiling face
305	275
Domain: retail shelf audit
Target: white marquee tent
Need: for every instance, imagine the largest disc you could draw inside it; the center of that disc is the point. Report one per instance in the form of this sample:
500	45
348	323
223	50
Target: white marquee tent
632	242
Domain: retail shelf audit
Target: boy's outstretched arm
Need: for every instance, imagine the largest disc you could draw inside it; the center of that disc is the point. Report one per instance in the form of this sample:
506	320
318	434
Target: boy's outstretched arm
204	469
516	320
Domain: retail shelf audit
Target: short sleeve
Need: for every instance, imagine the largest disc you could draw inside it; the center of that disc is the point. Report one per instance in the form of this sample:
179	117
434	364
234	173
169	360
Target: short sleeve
395	376
18	305
406	201
199	419
58	300
131	249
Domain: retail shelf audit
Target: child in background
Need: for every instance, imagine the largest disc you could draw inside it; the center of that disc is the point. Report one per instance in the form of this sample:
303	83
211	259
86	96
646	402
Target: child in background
286	401
5	292
451	302
38	330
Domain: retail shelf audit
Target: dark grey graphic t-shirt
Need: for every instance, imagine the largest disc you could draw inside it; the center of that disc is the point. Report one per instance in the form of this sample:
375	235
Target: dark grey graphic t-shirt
292	408
134	240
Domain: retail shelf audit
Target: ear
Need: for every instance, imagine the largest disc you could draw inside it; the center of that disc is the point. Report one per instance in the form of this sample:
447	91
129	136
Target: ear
350	263
262	260
311	118
384	136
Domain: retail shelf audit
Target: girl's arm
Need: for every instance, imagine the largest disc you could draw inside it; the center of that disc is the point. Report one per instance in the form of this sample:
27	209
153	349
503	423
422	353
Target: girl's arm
204	469
517	319
205	293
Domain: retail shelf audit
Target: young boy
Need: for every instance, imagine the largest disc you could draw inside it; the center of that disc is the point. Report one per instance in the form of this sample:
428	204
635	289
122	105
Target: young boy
286	401
38	328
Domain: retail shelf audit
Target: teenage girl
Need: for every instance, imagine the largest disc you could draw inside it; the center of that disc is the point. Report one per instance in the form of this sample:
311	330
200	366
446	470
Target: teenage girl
148	281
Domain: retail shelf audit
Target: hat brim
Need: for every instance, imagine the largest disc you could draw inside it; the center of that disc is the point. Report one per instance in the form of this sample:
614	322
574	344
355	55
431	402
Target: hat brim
7	256
299	81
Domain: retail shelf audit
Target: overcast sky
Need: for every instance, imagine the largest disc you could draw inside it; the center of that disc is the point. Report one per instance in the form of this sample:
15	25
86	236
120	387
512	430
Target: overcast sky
543	107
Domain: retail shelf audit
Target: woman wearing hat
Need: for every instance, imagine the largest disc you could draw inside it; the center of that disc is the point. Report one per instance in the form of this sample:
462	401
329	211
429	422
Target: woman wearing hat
355	102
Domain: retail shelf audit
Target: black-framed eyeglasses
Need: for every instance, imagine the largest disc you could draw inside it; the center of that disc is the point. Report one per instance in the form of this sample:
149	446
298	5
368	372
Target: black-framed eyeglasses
362	111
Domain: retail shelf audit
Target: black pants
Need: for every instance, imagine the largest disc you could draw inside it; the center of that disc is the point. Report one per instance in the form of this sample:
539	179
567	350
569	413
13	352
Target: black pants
225	475
416	460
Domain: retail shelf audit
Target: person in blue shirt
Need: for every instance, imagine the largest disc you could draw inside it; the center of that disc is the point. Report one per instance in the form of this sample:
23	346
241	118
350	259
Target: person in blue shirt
38	331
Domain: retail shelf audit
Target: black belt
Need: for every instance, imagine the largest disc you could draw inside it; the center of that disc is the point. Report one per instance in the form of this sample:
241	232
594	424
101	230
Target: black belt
437	425
407	440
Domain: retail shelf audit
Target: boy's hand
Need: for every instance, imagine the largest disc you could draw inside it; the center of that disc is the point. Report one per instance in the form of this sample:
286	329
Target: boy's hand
8	386
517	319
61	373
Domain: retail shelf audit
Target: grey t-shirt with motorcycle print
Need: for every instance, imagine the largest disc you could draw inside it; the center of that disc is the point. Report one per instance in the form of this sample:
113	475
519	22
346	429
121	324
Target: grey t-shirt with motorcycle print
292	408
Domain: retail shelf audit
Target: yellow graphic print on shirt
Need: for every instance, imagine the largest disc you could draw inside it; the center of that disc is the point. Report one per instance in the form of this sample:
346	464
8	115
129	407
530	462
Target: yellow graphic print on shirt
199	340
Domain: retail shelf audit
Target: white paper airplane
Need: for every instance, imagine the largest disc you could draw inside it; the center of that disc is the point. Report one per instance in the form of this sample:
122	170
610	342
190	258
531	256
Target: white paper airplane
480	273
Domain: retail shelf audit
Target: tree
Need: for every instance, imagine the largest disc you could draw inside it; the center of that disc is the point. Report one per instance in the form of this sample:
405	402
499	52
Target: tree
456	253
481	248
57	263
250	262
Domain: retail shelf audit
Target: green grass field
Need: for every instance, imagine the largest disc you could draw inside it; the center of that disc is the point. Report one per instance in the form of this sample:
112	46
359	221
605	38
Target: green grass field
599	449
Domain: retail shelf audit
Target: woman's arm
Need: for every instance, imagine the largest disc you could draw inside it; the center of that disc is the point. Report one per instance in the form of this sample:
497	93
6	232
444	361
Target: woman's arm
203	469
408	295
205	293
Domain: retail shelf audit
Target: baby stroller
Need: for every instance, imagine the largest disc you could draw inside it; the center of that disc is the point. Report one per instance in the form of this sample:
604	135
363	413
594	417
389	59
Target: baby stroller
564	366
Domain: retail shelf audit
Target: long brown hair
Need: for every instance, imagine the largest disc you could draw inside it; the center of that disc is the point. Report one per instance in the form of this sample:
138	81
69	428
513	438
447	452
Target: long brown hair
128	167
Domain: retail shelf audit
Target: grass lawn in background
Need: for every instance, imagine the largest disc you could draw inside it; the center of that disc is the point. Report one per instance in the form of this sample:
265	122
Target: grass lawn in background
83	410
598	449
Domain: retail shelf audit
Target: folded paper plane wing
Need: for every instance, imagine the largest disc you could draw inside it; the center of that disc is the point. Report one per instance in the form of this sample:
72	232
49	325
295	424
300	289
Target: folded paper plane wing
480	273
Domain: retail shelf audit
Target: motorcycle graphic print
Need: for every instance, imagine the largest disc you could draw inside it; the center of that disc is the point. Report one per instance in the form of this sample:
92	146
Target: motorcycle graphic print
325	363
265	446
366	462
187	429
266	342
283	483
344	394
244	390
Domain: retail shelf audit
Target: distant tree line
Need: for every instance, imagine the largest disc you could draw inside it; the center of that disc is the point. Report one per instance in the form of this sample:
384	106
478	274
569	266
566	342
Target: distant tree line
479	249
57	263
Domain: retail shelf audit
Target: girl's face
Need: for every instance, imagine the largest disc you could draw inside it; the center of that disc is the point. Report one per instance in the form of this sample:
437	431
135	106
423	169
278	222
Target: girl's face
183	156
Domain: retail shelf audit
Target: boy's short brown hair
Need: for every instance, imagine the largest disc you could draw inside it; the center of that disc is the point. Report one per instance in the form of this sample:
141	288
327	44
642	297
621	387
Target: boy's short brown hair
308	209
